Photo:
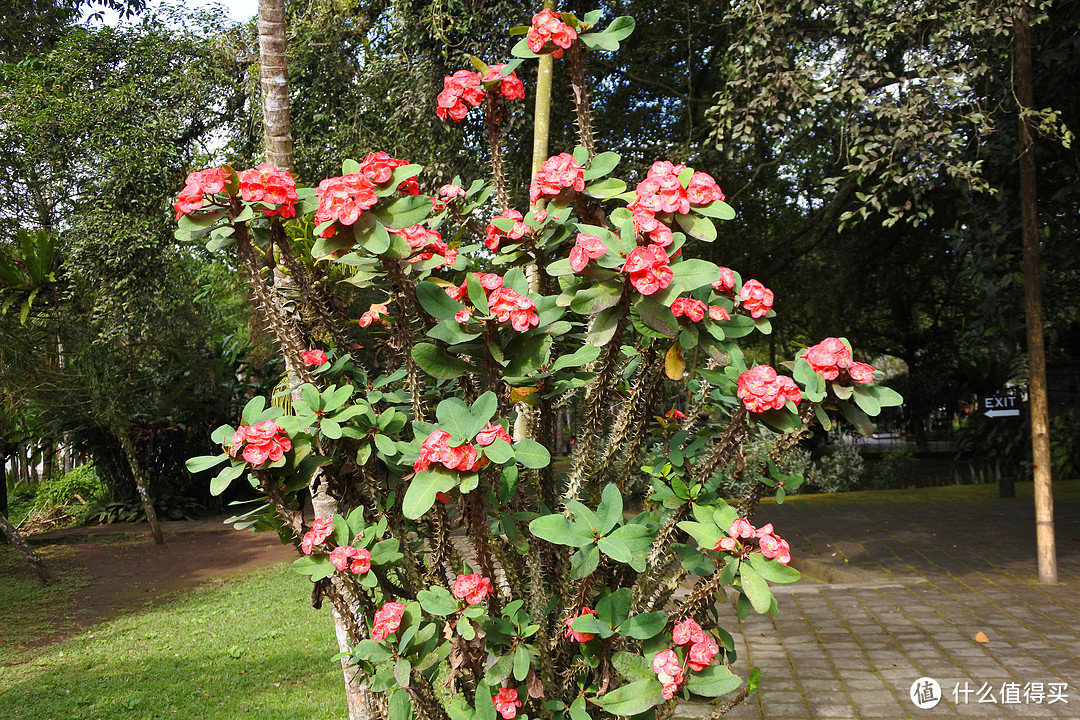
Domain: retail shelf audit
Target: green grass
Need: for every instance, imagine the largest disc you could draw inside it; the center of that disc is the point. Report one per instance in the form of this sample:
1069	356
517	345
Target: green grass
251	647
28	609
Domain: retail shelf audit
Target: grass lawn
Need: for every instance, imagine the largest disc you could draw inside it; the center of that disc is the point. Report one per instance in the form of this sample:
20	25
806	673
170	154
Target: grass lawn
250	647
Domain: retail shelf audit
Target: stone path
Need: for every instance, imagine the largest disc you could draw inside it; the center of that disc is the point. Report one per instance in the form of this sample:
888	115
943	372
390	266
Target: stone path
912	577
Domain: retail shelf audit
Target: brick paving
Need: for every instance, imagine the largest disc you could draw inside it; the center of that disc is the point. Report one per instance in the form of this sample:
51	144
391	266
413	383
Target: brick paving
912	576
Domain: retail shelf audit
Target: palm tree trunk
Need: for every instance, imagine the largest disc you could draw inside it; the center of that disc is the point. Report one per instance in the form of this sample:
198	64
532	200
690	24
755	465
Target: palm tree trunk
273	73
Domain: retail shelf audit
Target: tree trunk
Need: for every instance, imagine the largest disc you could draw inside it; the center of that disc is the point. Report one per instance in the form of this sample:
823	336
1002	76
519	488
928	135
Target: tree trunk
273	67
48	451
3	484
1040	416
140	484
23	549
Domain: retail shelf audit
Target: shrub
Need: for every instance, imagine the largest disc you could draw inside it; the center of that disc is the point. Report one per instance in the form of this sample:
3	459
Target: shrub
839	471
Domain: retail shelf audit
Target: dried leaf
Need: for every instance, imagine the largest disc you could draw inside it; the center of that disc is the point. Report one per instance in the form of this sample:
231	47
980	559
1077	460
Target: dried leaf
535	687
981	637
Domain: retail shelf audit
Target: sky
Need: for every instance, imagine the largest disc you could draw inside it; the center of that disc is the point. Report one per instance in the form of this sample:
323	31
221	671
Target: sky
238	10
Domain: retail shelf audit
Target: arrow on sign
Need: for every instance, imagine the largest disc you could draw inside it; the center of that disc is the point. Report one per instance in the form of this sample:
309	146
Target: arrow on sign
1002	413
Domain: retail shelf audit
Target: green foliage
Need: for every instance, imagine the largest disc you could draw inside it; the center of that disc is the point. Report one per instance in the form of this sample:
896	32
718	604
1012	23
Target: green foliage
894	469
838	471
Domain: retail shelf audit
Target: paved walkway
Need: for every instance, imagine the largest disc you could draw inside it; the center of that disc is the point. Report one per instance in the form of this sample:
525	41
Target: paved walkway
912	577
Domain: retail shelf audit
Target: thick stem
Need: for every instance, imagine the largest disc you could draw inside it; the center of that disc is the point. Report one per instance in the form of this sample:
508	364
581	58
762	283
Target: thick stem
579	89
19	543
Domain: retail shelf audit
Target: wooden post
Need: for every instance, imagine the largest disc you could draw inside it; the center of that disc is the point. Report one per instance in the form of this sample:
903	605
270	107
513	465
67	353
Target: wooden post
1040	416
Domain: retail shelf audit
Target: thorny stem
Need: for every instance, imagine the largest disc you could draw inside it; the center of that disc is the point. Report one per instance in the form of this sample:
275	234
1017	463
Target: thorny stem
580	91
494	118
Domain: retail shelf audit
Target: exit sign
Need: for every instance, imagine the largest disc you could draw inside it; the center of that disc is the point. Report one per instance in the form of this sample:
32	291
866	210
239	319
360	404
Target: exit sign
1001	406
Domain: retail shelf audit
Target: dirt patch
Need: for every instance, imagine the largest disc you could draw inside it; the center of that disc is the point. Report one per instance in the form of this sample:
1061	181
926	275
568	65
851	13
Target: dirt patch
127	572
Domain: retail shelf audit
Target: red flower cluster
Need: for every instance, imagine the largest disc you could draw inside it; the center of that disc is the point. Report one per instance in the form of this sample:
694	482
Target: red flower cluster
718	313
649	269
490	433
321	529
272	186
361	559
700	653
460	88
579	636
435	449
507	703
204	182
428	242
473	589
831	356
756	298
313	358
387	620
726	283
378	167
762	389
263	440
509	86
495	235
586	247
508	306
661	192
450	191
342	199
770	544
691	308
549	30
376	313
558	172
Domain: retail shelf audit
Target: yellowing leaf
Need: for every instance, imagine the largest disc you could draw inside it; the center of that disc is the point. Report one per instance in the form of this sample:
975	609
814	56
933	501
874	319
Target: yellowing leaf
674	364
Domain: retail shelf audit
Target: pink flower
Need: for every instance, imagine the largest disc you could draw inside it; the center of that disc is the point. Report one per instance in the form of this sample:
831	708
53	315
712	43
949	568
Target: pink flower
362	562
726	283
509	87
463	316
343	199
645	223
828	357
764	530
436	449
770	545
558	172
378	167
668	671
507	305
472	588
428	242
490	432
339	556
387	620
783	551
648	269
586	247
269	185
718	313
313	358
861	372
728	543
579	636
741	527
756	298
450	191
687	631
203	182
489	281
762	389
691	308
460	88
321	529
265	441
375	313
661	191
517	231
549	30
703	190
701	653
507	703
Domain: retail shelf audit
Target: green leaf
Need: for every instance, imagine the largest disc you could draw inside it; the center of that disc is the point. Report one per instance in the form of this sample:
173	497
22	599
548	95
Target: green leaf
610	511
583	355
713	681
643	626
657	316
615	549
437	363
773	570
601	165
372	650
456	418
597	297
886	397
706	534
604	326
499	452
420	495
436	302
555	529
857	417
697	226
608	187
225	478
614	608
632	699
865	399
403	672
690	275
584	562
718	209
755	588
317	567
632	665
400	703
693	560
531	454
204	462
620	28
522	663
485	708
521	49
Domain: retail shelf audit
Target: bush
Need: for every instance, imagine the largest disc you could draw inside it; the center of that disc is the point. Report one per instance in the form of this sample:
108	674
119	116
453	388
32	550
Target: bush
839	471
895	469
70	499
